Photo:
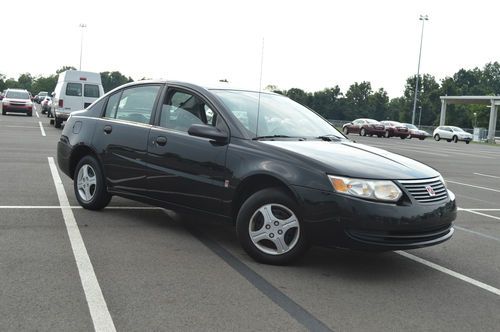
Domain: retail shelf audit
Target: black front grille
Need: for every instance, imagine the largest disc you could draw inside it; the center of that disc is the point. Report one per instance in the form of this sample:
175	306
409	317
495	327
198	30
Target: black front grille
401	238
426	191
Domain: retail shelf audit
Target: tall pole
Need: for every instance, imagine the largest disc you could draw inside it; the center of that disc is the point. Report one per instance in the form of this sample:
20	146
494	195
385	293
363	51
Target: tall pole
419	116
422	18
82	26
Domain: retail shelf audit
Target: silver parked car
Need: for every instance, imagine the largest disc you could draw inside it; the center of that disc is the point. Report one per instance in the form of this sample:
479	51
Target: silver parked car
451	133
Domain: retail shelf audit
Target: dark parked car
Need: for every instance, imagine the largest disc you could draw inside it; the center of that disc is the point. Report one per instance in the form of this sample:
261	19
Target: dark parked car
364	127
279	171
17	101
415	132
395	129
40	97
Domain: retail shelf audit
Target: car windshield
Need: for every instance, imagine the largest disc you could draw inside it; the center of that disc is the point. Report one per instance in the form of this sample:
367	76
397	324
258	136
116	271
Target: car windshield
410	126
41	94
17	95
457	129
277	115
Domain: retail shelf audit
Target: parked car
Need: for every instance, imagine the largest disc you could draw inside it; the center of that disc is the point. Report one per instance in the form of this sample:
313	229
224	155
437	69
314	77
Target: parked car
281	173
415	132
364	127
40	96
75	90
451	133
17	101
395	129
46	104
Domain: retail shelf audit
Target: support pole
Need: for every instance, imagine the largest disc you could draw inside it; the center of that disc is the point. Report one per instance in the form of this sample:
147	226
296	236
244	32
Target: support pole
442	119
493	122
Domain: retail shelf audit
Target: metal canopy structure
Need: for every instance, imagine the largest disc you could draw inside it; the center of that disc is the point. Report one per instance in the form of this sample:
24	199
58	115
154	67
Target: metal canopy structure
493	101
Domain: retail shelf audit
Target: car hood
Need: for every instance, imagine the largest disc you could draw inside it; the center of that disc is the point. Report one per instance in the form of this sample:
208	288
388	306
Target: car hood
351	159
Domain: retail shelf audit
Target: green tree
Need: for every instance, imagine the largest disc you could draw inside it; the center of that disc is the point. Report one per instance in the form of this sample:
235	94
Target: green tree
300	96
64	68
111	80
25	81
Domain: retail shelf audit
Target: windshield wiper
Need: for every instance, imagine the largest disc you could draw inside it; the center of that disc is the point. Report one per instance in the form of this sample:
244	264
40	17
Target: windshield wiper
277	136
330	138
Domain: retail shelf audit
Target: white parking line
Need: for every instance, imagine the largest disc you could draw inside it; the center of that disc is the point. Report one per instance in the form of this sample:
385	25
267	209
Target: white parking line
36	112
489	176
477	233
470	185
41	128
79	207
481	209
452	273
97	305
479	213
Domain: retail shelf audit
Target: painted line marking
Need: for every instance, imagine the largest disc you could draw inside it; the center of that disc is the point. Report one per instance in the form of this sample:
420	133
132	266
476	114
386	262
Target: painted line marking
28	127
479	213
480	209
41	128
97	305
36	112
477	233
452	273
473	186
489	176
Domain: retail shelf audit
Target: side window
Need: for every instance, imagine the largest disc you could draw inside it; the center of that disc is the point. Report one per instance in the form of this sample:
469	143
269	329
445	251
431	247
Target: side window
111	106
96	107
182	109
91	90
136	104
74	89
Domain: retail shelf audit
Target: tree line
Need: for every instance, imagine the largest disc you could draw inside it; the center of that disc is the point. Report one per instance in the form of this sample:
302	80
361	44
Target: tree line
110	80
360	100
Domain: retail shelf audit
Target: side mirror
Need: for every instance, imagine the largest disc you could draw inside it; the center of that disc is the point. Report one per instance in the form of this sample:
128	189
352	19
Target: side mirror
208	132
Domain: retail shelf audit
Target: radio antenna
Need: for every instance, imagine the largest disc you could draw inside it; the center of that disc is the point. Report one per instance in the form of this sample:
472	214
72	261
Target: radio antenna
260	87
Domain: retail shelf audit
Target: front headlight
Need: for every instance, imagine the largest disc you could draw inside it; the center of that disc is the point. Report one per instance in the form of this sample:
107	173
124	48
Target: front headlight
380	190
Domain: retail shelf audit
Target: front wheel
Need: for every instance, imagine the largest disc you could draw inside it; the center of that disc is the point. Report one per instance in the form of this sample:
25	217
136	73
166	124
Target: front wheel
455	139
89	185
386	134
467	142
346	131
436	137
402	137
362	132
269	227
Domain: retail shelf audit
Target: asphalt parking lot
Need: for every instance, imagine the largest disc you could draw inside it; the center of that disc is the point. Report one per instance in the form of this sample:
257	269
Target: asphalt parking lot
132	267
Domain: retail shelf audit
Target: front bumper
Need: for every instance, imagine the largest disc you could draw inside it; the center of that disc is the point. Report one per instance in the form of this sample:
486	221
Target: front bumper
17	109
336	220
62	114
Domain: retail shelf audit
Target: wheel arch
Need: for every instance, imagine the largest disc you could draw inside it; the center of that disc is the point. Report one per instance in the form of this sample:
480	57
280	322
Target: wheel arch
254	183
77	154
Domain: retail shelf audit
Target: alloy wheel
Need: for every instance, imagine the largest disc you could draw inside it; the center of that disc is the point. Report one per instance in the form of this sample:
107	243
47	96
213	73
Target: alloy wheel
86	182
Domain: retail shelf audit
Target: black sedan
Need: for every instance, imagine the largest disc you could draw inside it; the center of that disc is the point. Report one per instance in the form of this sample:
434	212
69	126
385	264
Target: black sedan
281	173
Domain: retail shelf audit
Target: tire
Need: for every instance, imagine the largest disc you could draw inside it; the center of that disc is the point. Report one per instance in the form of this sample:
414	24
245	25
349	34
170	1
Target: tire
362	132
281	207
29	114
409	137
421	138
403	137
467	142
455	139
448	140
379	135
346	131
436	137
3	112
57	122
89	184
387	134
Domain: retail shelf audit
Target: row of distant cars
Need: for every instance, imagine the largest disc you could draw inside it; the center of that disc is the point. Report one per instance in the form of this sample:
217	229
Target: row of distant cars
371	127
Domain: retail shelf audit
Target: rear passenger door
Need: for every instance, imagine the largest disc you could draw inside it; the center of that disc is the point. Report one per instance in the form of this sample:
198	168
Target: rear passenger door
186	170
121	137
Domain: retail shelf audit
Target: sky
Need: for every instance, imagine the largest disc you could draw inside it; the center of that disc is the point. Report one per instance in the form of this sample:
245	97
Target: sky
310	44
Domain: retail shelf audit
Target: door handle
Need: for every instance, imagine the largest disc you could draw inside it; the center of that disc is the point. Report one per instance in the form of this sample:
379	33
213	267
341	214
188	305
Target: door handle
108	129
161	140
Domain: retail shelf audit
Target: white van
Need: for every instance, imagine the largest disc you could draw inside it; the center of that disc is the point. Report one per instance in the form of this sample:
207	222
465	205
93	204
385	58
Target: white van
75	90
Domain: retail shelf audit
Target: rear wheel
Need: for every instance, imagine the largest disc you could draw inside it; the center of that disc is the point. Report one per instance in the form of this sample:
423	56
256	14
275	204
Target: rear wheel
467	142
402	137
386	134
3	112
421	138
436	137
362	132
57	122
346	131
410	137
29	114
269	227
89	185
455	139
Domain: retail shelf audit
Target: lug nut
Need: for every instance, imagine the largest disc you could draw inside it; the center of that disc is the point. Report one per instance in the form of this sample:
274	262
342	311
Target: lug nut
276	223
268	226
280	232
271	235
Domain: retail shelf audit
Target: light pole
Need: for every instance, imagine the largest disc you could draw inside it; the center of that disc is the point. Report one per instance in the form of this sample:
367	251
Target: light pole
422	18
419	116
82	26
475	119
